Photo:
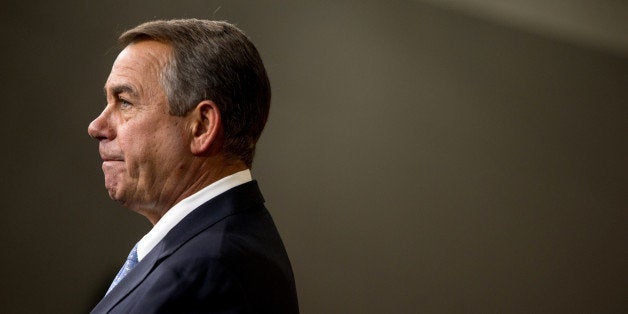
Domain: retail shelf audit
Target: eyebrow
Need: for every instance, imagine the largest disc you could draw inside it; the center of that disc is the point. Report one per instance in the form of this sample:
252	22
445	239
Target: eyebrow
123	88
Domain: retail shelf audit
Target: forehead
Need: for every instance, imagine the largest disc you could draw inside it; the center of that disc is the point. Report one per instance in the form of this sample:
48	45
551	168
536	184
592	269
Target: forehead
138	66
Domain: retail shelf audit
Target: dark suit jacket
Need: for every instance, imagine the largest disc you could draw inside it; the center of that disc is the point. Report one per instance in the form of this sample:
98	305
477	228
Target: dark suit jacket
224	257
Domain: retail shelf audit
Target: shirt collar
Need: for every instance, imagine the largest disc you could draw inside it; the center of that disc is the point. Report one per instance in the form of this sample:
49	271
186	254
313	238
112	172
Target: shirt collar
173	216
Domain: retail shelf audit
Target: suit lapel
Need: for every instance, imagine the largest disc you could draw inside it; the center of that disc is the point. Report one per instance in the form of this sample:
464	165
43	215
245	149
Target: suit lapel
233	201
129	282
237	199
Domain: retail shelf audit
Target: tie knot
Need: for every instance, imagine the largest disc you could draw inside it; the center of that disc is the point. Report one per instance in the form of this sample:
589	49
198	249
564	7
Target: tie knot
133	255
130	263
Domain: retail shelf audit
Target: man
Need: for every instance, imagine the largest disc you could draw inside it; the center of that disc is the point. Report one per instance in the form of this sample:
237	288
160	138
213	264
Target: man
186	103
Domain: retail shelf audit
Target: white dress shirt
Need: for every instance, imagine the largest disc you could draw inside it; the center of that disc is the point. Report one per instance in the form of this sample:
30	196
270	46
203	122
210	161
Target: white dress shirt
186	206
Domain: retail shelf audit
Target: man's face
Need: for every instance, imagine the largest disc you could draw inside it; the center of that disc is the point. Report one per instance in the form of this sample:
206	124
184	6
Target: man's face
144	149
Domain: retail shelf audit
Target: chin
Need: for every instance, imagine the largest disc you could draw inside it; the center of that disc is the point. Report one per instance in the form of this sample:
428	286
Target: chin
114	195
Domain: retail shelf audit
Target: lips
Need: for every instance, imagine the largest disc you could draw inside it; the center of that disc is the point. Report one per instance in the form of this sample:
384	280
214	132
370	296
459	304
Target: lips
110	163
109	156
111	159
106	157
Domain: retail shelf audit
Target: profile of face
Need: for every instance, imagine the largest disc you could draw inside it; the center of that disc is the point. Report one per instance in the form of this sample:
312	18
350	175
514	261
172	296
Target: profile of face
144	149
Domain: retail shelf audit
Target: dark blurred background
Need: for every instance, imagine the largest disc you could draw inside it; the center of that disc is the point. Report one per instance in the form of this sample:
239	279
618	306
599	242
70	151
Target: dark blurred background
459	156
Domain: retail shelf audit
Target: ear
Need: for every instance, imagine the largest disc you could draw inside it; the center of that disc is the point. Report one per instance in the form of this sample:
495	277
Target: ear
206	125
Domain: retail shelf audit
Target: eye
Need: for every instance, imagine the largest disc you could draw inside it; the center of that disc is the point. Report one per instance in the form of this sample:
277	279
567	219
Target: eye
124	103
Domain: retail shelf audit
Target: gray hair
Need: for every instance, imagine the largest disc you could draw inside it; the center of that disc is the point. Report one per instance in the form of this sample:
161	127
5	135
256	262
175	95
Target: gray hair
213	60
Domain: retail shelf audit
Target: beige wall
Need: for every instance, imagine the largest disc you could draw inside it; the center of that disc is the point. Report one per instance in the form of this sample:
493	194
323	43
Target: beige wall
416	159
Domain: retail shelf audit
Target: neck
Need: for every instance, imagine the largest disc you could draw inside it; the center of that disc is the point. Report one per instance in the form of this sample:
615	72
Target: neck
199	174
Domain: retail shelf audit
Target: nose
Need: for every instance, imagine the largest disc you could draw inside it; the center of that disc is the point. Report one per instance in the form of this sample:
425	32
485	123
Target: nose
101	128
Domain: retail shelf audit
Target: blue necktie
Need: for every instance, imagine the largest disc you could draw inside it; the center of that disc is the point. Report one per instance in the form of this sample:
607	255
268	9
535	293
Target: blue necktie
130	263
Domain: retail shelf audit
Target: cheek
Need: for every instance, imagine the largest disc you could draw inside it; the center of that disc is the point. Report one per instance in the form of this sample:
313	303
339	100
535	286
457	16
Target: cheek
136	146
150	148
